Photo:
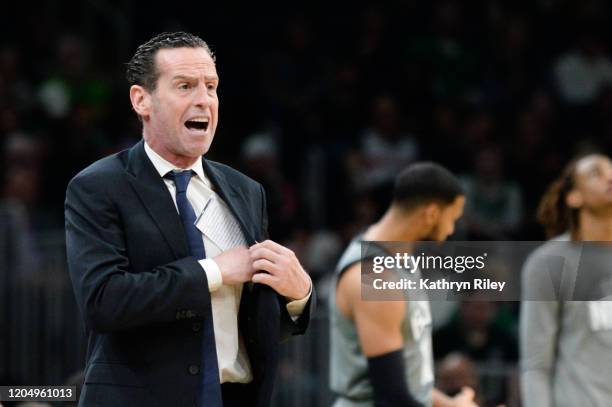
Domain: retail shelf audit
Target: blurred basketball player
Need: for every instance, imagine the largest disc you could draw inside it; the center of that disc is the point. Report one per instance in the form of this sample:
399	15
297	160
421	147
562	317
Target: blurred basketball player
566	353
381	350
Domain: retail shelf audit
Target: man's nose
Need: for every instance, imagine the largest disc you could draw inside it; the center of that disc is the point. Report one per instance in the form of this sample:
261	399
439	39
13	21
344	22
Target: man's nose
608	173
202	97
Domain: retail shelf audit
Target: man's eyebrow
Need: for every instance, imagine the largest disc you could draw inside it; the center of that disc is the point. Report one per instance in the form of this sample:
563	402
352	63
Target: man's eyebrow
189	77
183	77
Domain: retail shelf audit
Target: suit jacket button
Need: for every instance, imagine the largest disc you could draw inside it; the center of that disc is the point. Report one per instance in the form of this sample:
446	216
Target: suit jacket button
196	326
194	370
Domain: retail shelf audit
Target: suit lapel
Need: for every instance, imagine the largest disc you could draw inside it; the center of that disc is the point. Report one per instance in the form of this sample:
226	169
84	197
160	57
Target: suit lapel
155	197
229	195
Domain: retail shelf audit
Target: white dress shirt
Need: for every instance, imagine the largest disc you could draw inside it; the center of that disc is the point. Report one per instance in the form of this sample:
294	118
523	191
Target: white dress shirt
220	232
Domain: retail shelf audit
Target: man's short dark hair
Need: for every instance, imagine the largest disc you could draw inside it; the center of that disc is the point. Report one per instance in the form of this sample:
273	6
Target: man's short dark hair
425	182
141	69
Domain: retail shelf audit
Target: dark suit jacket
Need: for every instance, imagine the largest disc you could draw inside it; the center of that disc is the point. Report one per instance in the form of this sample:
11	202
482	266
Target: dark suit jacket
141	294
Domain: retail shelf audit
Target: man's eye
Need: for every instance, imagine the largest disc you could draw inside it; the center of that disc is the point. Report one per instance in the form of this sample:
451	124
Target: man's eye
212	87
184	86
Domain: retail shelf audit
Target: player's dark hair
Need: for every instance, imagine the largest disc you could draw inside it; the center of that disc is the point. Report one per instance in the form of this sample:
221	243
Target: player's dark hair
425	182
553	212
141	69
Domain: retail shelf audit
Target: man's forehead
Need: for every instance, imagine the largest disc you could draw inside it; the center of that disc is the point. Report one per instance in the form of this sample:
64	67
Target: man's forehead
185	62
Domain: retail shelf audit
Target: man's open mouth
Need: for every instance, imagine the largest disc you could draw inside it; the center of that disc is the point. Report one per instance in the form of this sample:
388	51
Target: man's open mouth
197	124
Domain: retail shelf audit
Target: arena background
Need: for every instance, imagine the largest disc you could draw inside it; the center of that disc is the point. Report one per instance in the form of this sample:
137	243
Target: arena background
322	104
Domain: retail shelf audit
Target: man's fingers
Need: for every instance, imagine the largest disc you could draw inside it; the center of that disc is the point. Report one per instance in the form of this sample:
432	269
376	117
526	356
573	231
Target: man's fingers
265	253
267	279
266	265
272	245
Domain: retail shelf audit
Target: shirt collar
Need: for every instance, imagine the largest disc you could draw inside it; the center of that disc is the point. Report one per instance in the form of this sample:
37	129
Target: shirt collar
162	166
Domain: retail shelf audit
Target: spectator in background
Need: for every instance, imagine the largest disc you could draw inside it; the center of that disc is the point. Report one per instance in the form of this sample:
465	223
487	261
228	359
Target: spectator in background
20	214
19	255
493	207
449	64
456	371
74	99
479	332
582	72
385	147
535	151
475	332
75	80
260	157
15	89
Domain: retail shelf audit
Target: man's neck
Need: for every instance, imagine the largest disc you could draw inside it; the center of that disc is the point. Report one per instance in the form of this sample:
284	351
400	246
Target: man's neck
594	227
394	226
179	161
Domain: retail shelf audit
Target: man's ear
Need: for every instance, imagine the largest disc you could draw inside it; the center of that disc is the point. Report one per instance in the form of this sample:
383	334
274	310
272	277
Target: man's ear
574	199
431	213
141	100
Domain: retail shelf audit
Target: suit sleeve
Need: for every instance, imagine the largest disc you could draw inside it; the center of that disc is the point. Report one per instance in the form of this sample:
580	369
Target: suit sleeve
110	294
539	330
288	326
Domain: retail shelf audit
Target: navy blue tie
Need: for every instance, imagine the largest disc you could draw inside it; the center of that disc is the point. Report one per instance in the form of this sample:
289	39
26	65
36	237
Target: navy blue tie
210	389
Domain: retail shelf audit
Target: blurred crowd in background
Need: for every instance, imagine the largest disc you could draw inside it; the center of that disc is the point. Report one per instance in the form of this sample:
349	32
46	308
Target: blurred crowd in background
323	105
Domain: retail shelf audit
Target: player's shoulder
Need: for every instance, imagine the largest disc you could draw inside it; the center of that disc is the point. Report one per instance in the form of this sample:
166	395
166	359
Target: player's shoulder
349	289
350	280
555	245
558	246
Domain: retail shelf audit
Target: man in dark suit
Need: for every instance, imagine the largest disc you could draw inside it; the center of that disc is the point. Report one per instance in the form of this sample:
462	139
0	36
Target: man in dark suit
183	298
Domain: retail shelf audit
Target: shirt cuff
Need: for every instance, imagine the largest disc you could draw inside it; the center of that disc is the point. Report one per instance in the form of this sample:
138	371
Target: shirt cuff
213	274
295	308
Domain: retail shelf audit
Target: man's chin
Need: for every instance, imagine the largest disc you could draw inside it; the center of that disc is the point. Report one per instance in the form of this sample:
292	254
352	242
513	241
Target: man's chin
197	150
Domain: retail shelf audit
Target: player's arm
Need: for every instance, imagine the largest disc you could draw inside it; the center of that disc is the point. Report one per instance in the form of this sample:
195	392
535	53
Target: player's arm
379	329
539	330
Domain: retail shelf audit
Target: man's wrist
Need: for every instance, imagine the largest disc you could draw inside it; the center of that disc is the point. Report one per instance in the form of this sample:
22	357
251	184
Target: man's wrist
296	307
213	274
304	298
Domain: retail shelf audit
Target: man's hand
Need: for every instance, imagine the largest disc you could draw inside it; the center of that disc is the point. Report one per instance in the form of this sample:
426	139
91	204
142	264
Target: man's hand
236	265
464	399
284	273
